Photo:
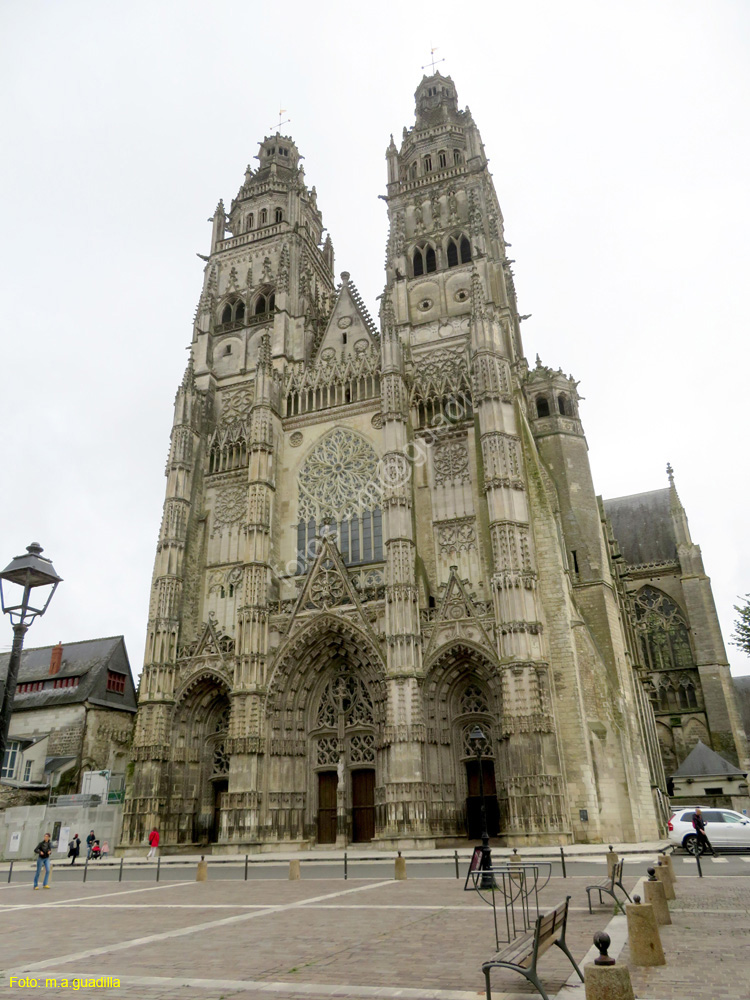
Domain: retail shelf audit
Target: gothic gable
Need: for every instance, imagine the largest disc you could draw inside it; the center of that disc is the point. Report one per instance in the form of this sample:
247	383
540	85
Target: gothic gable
457	617
350	328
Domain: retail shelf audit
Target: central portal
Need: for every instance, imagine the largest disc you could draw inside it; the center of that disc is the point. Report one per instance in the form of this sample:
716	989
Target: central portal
474	800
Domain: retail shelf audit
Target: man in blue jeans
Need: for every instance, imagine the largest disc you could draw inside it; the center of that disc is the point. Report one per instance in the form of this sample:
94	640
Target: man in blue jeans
43	850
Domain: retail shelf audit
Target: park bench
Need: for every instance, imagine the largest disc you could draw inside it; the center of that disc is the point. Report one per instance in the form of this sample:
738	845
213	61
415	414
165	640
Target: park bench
522	954
608	885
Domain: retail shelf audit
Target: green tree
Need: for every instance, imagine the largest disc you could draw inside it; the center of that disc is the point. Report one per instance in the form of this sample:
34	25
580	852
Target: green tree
741	635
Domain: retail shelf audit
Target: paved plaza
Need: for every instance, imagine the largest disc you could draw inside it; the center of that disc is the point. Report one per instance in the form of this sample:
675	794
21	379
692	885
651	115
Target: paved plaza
324	937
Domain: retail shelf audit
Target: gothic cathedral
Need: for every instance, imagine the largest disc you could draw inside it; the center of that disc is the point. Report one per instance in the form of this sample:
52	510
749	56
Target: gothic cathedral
383	573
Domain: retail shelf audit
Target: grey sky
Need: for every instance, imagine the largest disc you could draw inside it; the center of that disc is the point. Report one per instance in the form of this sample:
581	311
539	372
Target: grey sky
618	139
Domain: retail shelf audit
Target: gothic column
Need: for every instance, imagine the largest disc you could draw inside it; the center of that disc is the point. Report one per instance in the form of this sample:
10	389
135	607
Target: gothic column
405	809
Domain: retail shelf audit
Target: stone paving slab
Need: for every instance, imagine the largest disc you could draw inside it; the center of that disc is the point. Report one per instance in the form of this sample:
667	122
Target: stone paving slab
415	939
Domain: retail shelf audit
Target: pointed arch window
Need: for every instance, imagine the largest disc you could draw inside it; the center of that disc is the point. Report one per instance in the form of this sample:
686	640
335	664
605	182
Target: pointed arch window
233	313
563	405
458	157
424	260
663	632
264	217
442	159
413	170
458	250
542	406
265	303
427	164
278	215
249	222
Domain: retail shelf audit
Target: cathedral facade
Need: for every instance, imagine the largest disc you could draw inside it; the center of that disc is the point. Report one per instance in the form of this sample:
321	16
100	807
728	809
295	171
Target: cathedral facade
378	537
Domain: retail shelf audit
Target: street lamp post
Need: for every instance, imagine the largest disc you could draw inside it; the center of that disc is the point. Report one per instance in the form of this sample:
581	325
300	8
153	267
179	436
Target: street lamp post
477	739
30	572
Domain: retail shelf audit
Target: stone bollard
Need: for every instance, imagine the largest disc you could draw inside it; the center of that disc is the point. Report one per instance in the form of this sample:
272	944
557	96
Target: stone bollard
662	873
515	858
654	894
666	859
604	980
400	869
612	860
294	870
643	934
202	873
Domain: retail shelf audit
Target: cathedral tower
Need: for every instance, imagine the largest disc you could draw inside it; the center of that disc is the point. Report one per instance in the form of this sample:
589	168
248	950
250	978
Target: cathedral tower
367	543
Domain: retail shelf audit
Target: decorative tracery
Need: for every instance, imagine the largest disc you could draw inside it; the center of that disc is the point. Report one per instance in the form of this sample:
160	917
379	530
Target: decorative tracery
339	494
345	695
663	631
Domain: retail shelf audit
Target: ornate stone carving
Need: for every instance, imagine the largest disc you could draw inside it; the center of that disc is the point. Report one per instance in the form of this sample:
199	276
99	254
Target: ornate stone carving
456	535
450	462
230	506
295	439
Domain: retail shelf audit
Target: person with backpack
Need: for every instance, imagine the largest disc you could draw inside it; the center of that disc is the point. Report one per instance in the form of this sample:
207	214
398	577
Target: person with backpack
43	850
74	848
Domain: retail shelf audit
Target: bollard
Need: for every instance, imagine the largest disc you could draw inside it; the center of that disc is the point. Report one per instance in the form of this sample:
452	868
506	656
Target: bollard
294	870
85	869
643	934
562	858
667	860
158	867
662	873
515	857
400	868
455	858
246	860
612	860
122	862
653	891
346	866
10	872
698	862
604	980
201	874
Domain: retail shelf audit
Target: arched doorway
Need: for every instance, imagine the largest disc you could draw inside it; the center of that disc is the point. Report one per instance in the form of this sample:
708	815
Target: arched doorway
326	702
200	762
463	689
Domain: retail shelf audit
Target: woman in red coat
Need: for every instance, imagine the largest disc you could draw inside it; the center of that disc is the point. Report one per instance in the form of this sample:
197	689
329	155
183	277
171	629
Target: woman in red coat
153	839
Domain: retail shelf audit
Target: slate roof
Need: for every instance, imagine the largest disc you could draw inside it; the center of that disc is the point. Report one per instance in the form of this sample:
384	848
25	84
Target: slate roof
88	660
643	527
703	762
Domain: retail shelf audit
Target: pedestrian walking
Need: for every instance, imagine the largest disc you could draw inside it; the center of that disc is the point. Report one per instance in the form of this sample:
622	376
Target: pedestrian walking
153	839
43	850
699	825
90	843
74	848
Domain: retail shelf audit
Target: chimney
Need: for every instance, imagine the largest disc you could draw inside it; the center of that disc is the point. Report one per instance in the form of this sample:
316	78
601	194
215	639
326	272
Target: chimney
55	661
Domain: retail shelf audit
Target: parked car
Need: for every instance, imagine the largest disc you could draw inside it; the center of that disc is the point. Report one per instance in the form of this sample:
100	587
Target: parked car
725	829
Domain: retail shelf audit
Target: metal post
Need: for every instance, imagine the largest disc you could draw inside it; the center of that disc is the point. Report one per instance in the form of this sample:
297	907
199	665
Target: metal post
455	858
246	857
487	880
562	858
10	872
85	869
158	866
346	867
11	681
700	870
119	877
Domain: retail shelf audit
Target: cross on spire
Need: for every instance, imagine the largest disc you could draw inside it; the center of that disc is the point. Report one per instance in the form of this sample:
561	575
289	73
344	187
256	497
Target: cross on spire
433	61
282	120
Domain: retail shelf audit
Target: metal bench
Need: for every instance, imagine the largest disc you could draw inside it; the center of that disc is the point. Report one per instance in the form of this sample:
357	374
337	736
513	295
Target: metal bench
522	954
608	885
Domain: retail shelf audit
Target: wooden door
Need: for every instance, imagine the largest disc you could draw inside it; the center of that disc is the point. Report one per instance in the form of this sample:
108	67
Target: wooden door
474	801
363	806
220	786
328	782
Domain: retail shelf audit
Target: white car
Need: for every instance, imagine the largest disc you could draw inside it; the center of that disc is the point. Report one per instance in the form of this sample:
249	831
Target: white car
725	829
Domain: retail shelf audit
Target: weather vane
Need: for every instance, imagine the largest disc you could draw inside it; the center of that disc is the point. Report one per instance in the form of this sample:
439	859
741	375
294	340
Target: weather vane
282	120
433	61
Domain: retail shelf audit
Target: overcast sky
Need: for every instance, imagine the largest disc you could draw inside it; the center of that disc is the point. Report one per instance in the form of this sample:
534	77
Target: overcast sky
618	139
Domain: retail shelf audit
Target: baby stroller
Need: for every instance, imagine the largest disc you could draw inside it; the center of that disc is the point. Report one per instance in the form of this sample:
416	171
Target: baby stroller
96	851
